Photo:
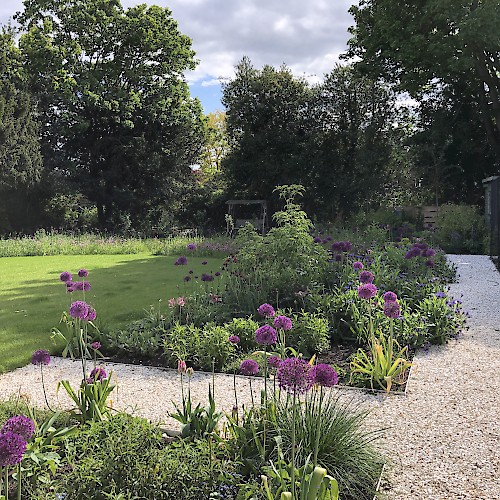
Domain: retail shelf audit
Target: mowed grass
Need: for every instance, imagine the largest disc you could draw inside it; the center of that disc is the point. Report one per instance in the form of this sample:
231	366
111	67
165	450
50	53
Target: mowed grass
32	298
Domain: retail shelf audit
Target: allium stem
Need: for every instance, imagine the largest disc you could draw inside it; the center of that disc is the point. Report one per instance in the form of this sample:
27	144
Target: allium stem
19	482
44	391
294	410
251	392
235	394
318	427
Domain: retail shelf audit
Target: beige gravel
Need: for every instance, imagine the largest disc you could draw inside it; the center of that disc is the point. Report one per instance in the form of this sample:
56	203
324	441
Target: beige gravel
442	438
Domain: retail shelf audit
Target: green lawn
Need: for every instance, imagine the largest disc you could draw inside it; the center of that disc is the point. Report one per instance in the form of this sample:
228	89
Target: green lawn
32	298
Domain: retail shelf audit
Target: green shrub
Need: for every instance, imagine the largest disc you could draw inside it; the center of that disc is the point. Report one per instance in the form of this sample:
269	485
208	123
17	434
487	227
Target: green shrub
128	455
182	342
245	329
460	229
310	334
214	346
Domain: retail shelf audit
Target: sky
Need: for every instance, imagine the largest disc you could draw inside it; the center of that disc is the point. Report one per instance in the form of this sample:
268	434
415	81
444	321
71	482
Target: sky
306	35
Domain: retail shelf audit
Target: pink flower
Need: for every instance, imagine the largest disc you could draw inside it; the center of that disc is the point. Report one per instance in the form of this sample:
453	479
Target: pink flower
181	366
181	301
171	302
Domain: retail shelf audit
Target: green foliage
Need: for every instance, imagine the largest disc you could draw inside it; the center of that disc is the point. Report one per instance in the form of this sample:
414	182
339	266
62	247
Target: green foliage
312	483
214	347
245	329
126	129
443	319
460	229
346	449
128	456
281	263
310	333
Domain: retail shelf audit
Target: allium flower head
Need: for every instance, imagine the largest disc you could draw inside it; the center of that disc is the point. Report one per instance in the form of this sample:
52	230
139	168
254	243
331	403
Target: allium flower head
207	277
82	286
20	425
367	291
412	252
421	246
358	265
283	322
266	335
204	263
295	376
249	367
325	375
392	309
12	448
217	273
266	310
440	295
187	278
181	261
65	276
40	357
95	345
79	309
274	361
317	239
234	339
366	277
390	297
83	273
191	246
430	263
96	375
430	252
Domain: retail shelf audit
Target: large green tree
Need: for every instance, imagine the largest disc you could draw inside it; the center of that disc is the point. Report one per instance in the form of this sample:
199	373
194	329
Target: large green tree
20	157
352	119
266	114
118	118
434	47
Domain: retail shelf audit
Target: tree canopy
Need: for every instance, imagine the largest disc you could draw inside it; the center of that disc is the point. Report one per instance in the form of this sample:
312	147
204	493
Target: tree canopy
118	118
429	47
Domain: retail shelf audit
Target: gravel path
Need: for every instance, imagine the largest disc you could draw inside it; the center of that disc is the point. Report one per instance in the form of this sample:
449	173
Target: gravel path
442	438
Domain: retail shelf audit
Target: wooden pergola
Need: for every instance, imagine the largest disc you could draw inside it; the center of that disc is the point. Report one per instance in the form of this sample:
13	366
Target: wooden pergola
259	221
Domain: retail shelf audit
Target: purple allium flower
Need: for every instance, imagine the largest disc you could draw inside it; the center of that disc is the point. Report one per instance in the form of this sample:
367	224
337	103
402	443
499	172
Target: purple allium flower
295	376
82	286
430	263
12	448
412	252
392	309
83	273
217	273
207	277
440	295
96	375
204	263
266	335
274	361
329	238
390	297
366	277
181	261
367	291
20	425
234	339
40	357
249	367
283	322
266	310
95	345
191	246
337	246
325	375
347	245
358	265
79	309
317	239
338	258
430	252
421	246
91	315
65	276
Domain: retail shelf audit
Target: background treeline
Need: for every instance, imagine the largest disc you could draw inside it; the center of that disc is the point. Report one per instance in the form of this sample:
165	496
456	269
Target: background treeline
98	130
